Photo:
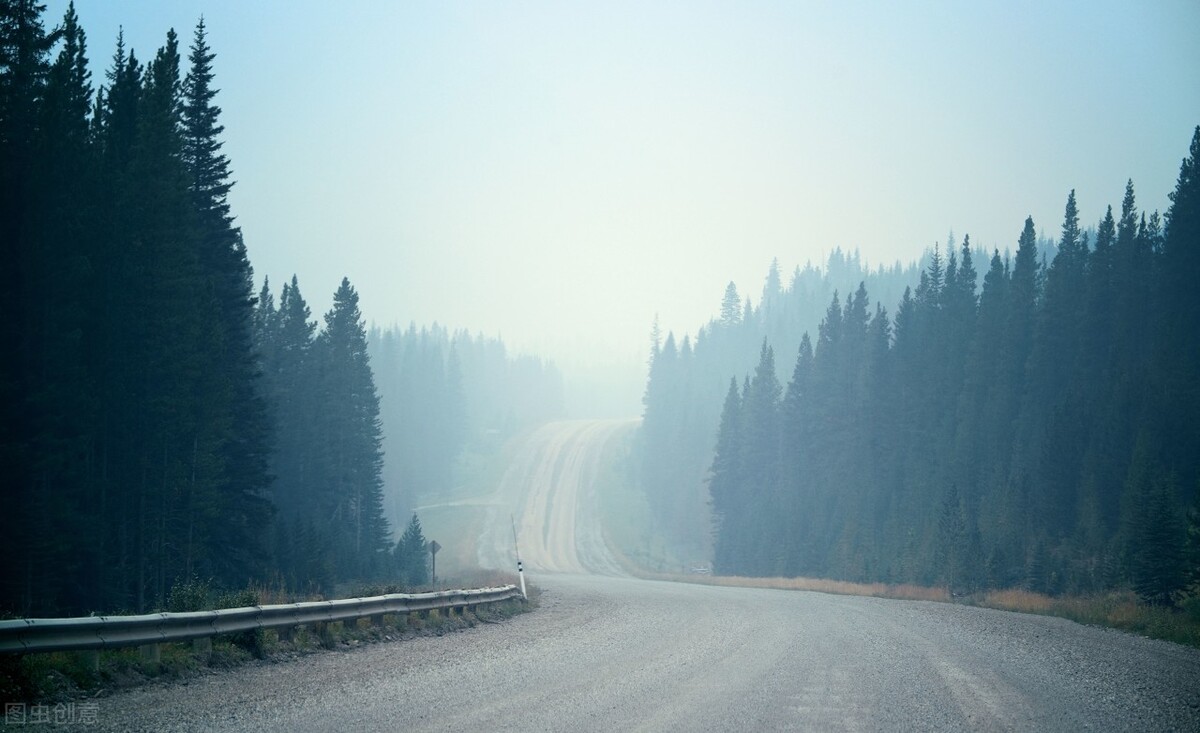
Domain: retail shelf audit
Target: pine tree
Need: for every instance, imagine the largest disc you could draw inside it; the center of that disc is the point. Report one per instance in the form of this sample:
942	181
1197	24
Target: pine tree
53	261
289	376
352	486
1023	301
796	430
1179	335
412	555
957	554
979	437
960	303
242	431
1050	394
1155	538
731	306
772	288
725	484
1096	349
1073	432
24	65
659	425
266	318
208	168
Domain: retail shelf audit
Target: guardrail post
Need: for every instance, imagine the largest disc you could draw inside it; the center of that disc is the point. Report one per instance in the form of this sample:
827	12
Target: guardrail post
202	647
151	653
286	633
324	634
90	659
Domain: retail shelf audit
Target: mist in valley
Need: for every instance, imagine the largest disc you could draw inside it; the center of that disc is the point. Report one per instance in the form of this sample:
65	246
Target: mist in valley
852	292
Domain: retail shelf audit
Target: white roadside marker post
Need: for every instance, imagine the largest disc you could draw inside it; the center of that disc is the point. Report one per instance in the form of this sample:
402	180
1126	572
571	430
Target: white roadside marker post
520	569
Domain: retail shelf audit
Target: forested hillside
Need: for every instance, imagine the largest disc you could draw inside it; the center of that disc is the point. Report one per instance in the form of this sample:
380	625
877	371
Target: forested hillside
159	423
443	392
1039	432
688	378
134	445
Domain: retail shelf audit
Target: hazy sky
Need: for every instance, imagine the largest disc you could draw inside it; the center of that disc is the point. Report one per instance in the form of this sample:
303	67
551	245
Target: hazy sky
558	173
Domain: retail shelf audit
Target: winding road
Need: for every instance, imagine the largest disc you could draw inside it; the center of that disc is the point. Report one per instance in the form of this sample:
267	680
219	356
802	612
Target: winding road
551	485
606	652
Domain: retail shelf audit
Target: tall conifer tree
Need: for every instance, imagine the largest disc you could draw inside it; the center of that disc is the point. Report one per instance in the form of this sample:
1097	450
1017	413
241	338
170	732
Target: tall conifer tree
351	498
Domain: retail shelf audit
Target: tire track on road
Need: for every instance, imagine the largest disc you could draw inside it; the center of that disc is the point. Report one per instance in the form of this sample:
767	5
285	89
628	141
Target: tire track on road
550	489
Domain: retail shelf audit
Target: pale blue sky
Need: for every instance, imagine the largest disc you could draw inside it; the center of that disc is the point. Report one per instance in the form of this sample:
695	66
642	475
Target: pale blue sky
558	173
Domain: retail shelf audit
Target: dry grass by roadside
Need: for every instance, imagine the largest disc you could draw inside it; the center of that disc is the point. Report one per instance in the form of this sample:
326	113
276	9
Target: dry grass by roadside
818	585
1118	609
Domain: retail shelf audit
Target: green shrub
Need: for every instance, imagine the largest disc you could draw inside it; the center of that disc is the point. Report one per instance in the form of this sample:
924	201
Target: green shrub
191	594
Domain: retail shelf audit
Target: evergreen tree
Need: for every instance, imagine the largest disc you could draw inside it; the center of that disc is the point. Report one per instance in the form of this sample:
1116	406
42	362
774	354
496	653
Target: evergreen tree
1096	350
24	65
54	263
1051	394
795	430
412	555
957	554
731	306
243	435
772	288
1054	407
725	484
1178	399
759	461
1155	537
1024	297
351	486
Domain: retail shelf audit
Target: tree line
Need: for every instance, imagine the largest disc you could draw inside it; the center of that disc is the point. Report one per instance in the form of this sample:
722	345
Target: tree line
134	444
687	379
159	420
447	392
1038	431
327	460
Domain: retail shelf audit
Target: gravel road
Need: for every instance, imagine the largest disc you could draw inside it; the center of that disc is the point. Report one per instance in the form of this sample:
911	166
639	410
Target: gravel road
549	487
616	653
621	654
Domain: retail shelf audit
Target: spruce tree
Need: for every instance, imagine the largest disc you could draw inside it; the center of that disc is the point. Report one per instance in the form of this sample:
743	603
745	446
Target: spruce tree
244	433
796	430
289	380
1179	334
54	263
725	484
731	306
1155	538
1044	433
24	65
352	486
412	555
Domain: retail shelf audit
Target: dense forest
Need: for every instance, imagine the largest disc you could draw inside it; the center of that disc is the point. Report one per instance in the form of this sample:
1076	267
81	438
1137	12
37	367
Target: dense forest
446	392
688	378
1039	431
160	421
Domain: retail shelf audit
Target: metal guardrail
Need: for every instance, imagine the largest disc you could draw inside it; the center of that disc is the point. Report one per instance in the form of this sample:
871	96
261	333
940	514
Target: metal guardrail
105	632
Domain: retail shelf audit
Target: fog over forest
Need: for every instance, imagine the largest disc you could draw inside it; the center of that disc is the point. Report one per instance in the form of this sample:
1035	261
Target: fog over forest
899	300
555	175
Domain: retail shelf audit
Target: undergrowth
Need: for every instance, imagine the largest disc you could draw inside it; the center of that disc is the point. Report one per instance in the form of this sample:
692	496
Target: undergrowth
1117	609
